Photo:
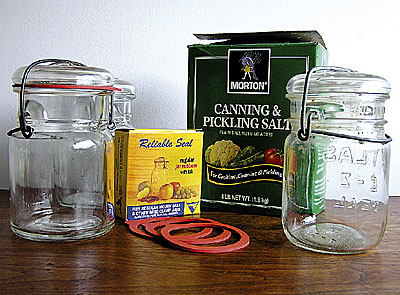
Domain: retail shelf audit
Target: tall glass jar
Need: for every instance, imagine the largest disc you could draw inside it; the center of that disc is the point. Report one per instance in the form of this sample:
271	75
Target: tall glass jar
336	172
123	99
121	118
57	155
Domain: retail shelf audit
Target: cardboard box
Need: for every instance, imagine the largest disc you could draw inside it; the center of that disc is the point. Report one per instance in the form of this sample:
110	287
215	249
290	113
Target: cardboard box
236	95
157	173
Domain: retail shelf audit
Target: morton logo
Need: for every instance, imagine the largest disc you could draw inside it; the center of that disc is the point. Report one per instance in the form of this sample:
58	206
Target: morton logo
248	71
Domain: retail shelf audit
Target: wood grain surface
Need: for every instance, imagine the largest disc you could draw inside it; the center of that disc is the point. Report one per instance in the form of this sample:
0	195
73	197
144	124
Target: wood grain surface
121	263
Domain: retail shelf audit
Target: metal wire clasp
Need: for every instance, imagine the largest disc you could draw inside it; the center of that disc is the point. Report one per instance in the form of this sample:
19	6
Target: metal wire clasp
305	119
25	129
111	123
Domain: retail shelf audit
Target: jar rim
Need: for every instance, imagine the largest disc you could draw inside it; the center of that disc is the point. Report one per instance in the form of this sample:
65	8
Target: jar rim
126	89
338	82
62	75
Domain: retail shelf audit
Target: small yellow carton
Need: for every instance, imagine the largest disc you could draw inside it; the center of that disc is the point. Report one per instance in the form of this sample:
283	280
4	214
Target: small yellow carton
157	172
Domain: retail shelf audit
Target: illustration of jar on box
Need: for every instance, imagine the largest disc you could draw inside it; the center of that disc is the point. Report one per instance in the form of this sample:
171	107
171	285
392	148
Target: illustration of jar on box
56	155
336	171
159	185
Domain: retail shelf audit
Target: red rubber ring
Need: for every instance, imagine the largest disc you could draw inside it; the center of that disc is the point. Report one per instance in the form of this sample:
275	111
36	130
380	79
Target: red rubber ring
74	86
222	237
243	242
195	238
148	223
134	225
151	226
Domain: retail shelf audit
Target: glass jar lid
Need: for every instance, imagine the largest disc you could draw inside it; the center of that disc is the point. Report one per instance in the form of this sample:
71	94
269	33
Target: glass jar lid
60	78
334	101
64	74
337	93
127	89
338	80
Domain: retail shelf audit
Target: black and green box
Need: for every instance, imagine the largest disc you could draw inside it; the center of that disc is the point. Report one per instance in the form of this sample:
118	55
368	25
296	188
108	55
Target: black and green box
236	95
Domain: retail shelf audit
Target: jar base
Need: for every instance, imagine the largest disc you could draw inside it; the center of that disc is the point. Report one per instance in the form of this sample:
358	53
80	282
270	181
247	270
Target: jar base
50	229
330	238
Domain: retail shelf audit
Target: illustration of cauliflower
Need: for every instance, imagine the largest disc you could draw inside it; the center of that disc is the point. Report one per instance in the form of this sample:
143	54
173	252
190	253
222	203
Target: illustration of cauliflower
221	153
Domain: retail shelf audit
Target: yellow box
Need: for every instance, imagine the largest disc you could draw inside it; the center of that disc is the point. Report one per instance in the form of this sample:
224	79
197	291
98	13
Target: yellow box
157	173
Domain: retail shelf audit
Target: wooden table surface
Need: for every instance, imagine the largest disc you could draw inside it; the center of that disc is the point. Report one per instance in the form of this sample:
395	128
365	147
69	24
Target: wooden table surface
121	263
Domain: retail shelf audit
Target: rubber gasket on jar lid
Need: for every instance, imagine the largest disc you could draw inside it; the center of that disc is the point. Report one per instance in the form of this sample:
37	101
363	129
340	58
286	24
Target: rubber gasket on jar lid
150	227
71	86
134	225
192	238
243	242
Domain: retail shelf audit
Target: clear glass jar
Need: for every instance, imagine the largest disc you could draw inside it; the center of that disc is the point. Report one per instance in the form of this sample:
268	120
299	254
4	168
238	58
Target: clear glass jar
123	104
336	171
122	115
57	161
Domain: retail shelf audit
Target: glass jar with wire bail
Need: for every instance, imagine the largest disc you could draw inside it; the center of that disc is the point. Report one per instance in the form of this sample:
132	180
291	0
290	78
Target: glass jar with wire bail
57	155
123	104
336	171
122	115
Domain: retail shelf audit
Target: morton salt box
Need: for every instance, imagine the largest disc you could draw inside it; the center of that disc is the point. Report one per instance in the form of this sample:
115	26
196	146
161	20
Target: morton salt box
157	173
236	95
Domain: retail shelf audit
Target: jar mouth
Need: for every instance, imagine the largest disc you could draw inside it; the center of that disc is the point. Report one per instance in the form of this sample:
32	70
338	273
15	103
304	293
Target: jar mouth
161	161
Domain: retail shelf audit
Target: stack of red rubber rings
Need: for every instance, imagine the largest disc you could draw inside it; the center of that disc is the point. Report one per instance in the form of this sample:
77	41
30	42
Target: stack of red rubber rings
195	242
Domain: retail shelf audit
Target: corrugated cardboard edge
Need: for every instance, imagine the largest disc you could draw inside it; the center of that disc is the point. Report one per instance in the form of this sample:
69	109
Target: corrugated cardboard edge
263	37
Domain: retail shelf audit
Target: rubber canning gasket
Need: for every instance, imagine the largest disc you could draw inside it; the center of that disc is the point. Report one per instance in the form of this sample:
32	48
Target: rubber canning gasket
243	242
195	238
151	226
222	237
134	225
72	86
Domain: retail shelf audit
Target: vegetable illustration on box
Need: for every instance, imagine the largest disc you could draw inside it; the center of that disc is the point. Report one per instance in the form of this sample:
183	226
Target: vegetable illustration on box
227	154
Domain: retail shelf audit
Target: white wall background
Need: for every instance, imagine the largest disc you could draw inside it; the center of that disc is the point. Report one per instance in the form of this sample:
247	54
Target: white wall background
144	41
